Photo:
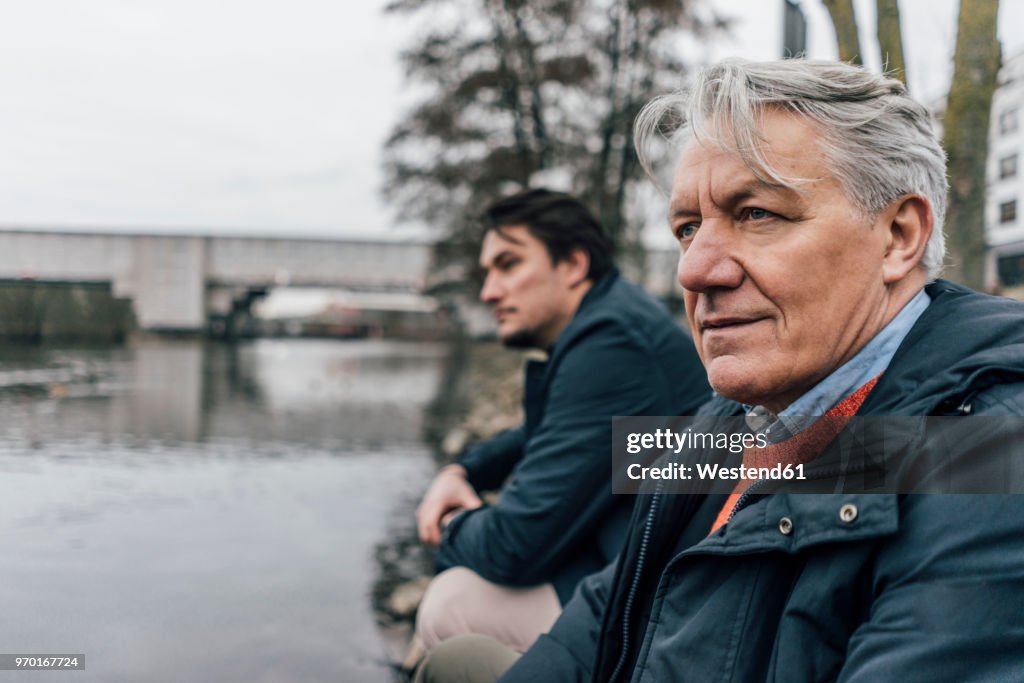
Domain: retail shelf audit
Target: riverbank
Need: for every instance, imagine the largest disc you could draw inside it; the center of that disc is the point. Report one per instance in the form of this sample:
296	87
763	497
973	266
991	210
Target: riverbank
36	312
481	395
484	398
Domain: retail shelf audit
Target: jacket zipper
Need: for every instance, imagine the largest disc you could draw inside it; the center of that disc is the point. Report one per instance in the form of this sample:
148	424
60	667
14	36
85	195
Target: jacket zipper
641	556
742	500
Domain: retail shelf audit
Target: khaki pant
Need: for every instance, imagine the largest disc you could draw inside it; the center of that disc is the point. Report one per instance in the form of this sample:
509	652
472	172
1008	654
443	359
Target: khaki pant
458	602
467	659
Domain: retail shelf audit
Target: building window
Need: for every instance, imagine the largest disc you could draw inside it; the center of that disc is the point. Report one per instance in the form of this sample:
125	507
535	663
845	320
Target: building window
1008	211
1008	167
1011	270
1008	121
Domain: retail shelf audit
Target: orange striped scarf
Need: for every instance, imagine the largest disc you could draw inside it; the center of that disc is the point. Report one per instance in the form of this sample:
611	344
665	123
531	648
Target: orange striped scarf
798	449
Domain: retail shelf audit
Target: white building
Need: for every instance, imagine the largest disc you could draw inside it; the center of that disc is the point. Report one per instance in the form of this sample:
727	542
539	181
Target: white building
1004	202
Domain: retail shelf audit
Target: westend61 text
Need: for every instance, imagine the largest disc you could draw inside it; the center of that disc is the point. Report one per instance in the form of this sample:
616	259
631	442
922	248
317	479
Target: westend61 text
705	471
666	439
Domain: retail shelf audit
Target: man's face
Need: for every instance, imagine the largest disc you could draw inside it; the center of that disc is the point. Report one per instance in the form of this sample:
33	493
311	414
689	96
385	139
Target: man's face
782	286
532	297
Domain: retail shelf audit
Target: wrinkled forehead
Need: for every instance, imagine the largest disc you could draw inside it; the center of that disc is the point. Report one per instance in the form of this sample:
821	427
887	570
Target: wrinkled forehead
777	148
703	164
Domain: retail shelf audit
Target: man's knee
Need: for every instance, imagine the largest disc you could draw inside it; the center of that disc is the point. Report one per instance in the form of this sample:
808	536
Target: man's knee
459	601
467	659
441	614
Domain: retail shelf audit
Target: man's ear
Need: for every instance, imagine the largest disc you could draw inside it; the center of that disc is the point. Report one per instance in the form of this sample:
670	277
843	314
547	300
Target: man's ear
576	266
909	223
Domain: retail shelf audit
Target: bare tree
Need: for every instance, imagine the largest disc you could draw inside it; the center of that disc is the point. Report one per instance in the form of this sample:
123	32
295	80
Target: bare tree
520	92
844	20
890	39
975	71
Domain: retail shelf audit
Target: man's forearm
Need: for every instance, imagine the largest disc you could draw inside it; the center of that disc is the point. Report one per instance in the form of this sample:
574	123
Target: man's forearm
487	464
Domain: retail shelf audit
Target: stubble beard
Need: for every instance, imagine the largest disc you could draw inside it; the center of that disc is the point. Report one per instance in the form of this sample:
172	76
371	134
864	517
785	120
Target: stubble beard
520	339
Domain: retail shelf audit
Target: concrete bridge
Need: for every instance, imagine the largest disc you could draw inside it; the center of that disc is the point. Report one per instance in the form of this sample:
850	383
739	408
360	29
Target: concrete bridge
193	282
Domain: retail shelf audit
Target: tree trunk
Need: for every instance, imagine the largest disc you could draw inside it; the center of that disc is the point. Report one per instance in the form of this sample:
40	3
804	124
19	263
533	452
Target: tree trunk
510	96
540	131
890	40
975	70
609	126
844	20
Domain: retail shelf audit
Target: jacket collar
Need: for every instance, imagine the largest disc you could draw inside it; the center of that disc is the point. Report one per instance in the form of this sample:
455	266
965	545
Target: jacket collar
965	342
598	291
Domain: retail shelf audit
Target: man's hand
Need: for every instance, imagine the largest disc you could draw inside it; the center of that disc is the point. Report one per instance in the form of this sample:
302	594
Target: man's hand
449	492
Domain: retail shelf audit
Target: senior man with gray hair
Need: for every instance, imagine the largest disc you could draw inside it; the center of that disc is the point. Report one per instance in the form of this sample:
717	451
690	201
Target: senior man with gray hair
808	201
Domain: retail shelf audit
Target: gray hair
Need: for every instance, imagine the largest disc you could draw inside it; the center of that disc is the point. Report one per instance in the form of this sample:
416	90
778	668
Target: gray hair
878	142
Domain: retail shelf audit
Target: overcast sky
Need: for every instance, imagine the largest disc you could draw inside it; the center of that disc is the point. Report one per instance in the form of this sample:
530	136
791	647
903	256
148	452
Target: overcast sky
267	116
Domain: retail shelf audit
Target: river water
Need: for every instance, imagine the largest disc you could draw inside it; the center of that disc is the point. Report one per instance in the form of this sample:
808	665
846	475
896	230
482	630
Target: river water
178	511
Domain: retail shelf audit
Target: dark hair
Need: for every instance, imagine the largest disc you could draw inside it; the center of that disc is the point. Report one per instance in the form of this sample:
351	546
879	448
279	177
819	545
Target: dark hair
562	222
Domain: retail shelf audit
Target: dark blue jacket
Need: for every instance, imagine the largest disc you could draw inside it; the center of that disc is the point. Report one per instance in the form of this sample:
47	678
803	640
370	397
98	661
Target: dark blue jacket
915	588
556	520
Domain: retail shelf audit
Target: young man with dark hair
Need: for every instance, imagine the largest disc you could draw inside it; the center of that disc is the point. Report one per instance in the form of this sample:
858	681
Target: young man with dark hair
507	568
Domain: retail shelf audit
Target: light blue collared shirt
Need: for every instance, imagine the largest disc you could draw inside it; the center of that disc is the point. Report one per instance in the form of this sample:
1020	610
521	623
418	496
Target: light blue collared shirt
870	362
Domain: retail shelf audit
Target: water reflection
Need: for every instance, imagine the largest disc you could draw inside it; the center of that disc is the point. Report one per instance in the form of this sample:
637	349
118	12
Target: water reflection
187	512
323	394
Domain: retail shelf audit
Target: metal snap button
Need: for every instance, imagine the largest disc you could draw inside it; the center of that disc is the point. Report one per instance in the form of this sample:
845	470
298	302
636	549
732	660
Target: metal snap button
848	512
785	526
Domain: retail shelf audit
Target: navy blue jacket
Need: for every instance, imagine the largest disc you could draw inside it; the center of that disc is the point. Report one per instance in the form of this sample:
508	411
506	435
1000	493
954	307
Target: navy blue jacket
914	588
557	520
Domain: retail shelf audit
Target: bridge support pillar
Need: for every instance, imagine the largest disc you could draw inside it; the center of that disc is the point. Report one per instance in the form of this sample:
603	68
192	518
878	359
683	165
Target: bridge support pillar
168	283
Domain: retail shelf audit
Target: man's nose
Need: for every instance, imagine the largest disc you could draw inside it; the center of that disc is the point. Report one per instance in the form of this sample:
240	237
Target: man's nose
491	290
709	260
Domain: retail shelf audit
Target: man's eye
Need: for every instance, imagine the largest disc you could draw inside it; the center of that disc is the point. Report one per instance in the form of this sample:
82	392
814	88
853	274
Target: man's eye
756	214
686	231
